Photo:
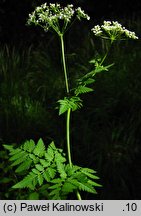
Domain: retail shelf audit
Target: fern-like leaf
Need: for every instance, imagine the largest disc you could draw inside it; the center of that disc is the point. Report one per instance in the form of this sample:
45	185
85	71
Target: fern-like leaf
89	174
55	194
68	187
88	170
94	183
39	167
40	179
61	169
49	155
26	182
49	165
20	160
72	103
34	158
29	145
56	181
82	89
44	163
24	166
51	172
39	149
17	155
84	186
9	147
46	176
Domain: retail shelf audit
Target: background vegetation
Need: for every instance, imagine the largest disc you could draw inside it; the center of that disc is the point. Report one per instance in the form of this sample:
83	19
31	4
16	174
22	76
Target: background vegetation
107	131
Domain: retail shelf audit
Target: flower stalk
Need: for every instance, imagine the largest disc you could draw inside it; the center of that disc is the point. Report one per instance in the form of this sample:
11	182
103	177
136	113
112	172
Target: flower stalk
64	63
69	110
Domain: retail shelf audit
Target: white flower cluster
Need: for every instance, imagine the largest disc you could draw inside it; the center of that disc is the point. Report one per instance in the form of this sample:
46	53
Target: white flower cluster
113	30
81	14
49	16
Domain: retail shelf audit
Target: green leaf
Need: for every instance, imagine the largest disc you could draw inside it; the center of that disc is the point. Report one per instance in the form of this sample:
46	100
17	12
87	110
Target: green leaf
94	183
56	191
55	186
82	89
51	172
34	158
83	186
49	155
64	105
40	179
61	170
36	171
20	160
44	163
24	166
8	147
57	180
29	146
15	151
46	176
89	81
88	170
33	196
87	187
52	145
56	196
39	167
68	187
26	182
17	155
89	174
39	149
59	160
73	103
71	170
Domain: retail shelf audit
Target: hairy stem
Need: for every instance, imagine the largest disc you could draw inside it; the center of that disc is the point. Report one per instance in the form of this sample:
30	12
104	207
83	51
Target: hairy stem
69	110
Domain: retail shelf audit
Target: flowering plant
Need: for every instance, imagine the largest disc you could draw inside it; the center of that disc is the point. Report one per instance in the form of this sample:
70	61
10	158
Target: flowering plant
113	30
49	164
53	16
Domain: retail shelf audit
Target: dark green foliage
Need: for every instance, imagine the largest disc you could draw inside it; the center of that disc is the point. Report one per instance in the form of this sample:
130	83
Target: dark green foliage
44	166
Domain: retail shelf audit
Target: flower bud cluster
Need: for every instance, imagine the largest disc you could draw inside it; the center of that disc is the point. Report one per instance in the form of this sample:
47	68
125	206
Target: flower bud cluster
50	16
113	30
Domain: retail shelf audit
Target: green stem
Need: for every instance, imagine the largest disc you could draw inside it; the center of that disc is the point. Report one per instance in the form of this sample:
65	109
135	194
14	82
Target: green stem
69	110
68	136
68	147
105	56
78	195
64	63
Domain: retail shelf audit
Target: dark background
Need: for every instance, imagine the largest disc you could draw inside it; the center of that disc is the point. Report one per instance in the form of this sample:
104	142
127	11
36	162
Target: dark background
106	133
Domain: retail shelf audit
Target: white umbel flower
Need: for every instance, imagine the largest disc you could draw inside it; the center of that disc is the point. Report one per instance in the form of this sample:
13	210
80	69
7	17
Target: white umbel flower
56	17
113	30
